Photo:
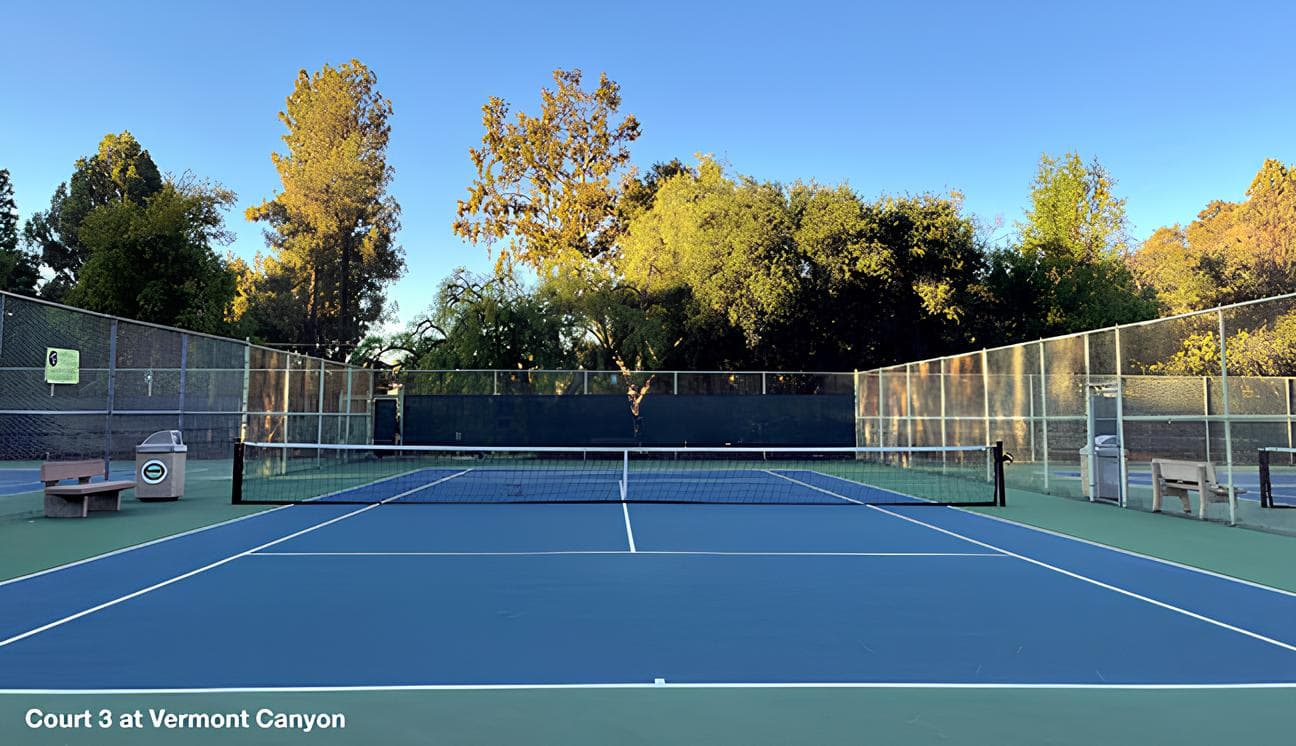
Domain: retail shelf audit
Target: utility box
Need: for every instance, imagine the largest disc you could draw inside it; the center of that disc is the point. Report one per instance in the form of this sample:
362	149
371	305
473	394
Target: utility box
160	467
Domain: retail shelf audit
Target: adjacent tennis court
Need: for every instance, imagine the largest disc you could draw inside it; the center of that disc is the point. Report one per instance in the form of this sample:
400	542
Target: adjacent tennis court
454	592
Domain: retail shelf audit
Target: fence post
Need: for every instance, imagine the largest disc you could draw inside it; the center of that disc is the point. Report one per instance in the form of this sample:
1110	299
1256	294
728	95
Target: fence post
1044	412
247	374
985	394
881	405
287	396
184	375
319	412
1091	487
112	384
346	426
944	432
908	404
1120	426
1228	424
1206	412
855	407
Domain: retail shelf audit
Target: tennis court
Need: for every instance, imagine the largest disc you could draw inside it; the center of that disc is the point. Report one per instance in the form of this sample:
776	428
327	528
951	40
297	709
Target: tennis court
455	593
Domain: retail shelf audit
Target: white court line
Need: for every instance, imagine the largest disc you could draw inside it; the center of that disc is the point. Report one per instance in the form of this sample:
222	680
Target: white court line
1084	578
1100	545
811	486
161	539
615	552
352	488
205	568
1132	553
1151	686
141	545
625	509
1092	581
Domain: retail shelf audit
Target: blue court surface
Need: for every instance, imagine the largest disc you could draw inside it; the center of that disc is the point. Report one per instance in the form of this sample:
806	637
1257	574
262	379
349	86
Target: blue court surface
464	596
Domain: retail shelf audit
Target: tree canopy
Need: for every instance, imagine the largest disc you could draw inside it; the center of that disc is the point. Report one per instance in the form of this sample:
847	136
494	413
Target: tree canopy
18	267
120	237
547	186
1233	251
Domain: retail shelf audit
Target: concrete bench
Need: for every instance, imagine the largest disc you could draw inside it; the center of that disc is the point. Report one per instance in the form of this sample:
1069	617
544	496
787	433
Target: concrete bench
1178	478
77	500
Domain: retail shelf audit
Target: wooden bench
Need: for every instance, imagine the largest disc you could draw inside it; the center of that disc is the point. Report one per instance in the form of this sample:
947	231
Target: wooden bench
1181	477
77	500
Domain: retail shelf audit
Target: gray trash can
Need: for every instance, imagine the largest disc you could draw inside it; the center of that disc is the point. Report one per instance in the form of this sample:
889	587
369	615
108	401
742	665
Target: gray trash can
1103	456
160	466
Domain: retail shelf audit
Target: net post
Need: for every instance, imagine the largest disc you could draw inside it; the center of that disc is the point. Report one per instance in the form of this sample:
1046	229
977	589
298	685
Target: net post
236	490
625	474
1266	486
1001	490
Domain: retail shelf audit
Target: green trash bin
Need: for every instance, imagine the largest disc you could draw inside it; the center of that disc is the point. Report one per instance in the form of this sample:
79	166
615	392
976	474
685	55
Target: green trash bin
160	467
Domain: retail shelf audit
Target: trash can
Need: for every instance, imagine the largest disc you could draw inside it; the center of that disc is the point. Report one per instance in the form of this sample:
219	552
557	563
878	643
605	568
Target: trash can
160	466
1103	456
1107	470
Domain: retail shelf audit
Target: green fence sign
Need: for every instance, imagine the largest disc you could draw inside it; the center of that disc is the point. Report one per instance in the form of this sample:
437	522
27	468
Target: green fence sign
62	366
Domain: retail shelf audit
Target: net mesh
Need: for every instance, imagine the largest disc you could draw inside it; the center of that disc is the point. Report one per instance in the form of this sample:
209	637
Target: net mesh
309	473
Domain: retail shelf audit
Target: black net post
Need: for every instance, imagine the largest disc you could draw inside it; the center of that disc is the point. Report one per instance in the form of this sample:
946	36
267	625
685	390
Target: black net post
1001	489
1266	485
236	489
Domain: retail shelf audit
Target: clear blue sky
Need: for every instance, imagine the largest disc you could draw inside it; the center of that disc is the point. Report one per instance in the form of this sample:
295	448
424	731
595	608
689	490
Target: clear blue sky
1182	101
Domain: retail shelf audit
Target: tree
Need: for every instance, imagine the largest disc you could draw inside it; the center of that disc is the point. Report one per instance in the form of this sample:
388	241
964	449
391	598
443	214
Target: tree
121	238
332	228
547	186
18	268
813	276
1069	273
1232	252
490	322
729	242
122	171
155	262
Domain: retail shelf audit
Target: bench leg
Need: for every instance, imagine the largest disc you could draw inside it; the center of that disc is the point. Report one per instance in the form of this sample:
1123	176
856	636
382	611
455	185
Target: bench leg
105	501
1156	487
58	506
1182	494
1203	495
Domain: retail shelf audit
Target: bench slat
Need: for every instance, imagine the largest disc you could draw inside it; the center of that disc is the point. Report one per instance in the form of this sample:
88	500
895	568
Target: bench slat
57	471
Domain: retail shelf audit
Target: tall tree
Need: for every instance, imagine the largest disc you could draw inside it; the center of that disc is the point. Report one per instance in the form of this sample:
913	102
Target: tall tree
332	228
122	171
18	267
547	186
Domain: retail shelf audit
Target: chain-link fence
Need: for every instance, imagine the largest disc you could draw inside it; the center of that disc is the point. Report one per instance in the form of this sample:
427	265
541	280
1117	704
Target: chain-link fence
1085	414
600	382
135	379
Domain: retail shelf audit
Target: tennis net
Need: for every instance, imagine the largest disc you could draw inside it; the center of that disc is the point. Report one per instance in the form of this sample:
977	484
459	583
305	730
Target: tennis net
284	473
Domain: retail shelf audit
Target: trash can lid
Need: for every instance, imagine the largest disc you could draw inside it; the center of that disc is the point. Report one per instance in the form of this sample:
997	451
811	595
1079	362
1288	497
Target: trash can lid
163	441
